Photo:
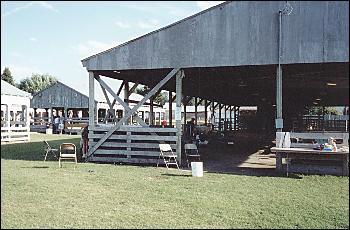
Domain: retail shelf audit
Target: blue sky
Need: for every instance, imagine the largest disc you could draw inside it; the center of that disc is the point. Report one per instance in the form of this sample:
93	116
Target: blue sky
52	37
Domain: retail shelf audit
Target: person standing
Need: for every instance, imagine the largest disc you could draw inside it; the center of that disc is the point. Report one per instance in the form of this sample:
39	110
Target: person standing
56	122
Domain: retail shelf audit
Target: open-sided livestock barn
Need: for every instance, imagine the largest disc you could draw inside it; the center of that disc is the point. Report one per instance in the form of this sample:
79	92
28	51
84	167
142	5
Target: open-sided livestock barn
277	55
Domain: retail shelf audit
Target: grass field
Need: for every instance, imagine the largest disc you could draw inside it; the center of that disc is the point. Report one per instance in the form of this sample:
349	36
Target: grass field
37	194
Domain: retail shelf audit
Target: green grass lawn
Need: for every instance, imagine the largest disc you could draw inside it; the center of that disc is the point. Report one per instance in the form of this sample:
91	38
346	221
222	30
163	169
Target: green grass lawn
37	194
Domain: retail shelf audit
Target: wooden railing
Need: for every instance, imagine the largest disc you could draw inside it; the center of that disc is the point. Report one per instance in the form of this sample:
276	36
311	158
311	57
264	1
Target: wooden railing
131	144
309	139
15	134
75	125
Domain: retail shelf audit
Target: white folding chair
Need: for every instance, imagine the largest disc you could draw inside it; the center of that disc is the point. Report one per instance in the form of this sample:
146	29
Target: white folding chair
191	152
49	150
168	155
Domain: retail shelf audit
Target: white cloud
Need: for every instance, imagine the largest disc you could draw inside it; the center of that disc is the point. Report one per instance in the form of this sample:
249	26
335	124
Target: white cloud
149	24
42	4
89	48
207	4
33	39
122	25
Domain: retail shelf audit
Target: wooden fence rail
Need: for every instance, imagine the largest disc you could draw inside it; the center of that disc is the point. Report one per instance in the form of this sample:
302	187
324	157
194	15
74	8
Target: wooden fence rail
131	144
15	134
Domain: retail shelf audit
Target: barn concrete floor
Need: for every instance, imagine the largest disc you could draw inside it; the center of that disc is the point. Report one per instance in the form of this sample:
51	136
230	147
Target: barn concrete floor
244	157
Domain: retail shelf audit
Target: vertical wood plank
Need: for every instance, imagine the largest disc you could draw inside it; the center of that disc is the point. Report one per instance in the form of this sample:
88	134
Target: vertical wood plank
179	77
91	100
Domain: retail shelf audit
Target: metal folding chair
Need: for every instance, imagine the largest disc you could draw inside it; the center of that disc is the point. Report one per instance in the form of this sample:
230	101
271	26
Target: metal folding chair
49	150
191	152
67	151
168	155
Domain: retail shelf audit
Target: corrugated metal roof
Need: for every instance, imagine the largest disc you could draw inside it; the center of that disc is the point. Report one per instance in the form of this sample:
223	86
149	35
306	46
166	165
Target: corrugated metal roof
8	89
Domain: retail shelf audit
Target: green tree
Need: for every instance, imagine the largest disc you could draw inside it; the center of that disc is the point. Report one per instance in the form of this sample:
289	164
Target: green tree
6	76
160	99
36	82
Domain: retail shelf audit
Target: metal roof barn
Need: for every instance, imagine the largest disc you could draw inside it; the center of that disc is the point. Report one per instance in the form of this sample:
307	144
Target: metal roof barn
236	54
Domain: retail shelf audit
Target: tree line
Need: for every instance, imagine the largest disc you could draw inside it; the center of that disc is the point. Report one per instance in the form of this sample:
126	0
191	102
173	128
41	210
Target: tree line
32	84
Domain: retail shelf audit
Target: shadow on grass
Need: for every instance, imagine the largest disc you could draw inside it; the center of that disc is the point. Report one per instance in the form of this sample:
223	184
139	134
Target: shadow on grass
36	167
257	173
34	151
175	175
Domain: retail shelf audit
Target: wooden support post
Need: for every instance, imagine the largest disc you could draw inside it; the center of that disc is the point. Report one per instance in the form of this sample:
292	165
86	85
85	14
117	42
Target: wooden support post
225	118
230	118
91	100
34	115
279	124
205	112
238	117
213	114
220	116
170	109
47	114
279	162
235	118
8	119
195	110
185	114
51	115
126	99
151	117
179	77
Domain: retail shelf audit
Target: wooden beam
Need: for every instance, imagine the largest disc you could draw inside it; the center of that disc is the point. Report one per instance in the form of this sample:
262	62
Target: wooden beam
133	88
220	117
188	99
195	110
120	88
91	99
108	102
132	111
230	118
225	117
205	112
173	99
151	117
170	109
121	102
199	102
118	93
179	77
215	105
126	99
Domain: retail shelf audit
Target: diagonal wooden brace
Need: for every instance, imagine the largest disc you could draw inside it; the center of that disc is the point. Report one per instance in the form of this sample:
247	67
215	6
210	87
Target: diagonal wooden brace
116	97
108	102
132	111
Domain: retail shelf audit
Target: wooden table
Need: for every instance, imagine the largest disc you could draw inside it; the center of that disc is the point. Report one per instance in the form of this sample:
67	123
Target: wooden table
310	154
